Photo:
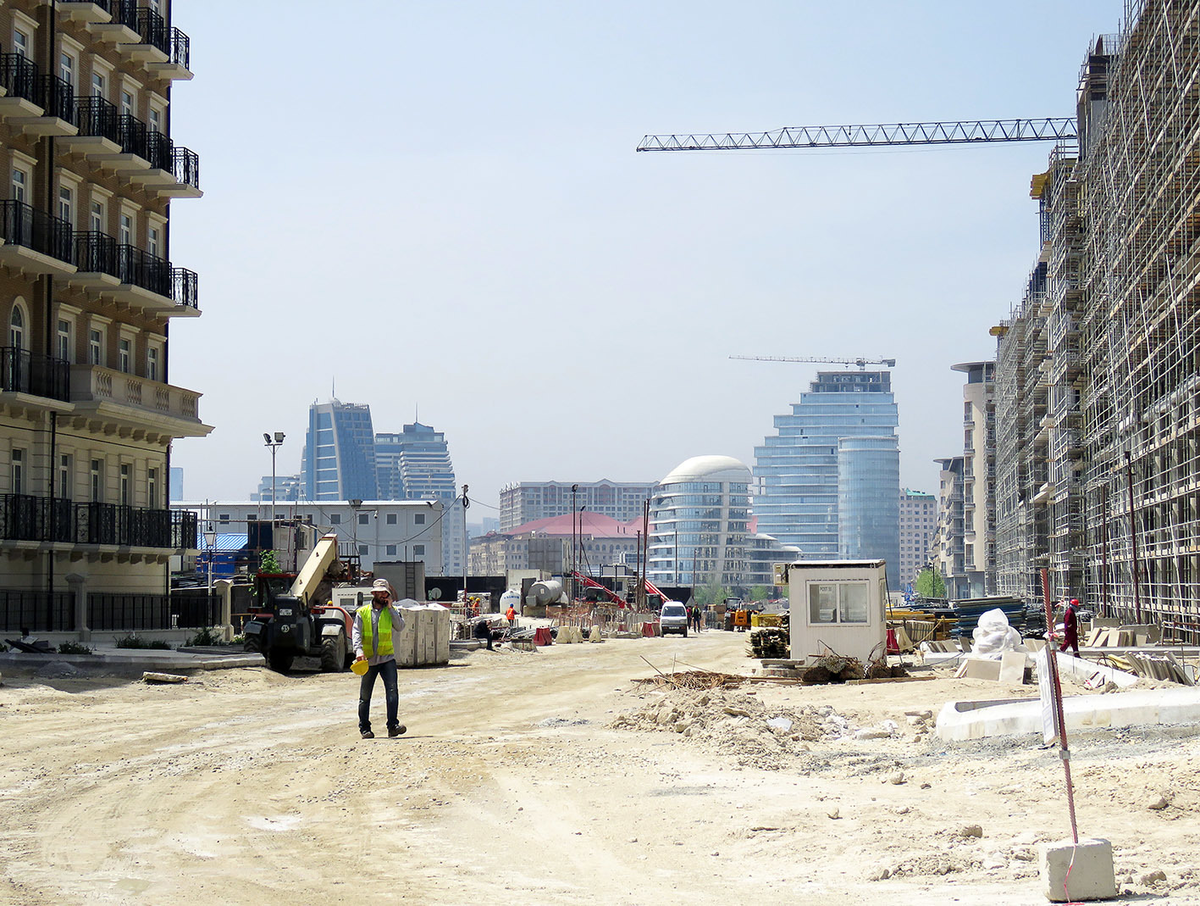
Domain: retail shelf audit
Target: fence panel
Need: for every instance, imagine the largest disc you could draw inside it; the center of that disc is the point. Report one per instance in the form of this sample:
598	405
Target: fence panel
193	608
37	611
133	613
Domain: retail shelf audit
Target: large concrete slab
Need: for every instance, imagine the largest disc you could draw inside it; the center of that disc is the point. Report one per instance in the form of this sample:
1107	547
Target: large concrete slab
965	720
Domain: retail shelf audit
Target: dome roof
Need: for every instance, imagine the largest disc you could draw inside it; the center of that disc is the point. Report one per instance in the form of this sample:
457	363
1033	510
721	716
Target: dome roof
708	468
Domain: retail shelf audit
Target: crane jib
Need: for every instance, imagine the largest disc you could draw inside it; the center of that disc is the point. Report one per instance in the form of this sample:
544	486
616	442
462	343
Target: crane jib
864	136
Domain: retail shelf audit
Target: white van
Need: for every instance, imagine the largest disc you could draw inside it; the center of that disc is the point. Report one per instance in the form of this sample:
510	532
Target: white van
673	618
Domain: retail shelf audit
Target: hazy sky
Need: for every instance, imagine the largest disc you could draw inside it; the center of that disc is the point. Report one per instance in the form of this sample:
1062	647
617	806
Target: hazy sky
438	204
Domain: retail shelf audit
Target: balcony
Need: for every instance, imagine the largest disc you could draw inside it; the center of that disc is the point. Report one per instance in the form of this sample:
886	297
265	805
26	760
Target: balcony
38	104
22	371
25	517
132	276
178	66
129	398
98	138
150	159
121	24
34	241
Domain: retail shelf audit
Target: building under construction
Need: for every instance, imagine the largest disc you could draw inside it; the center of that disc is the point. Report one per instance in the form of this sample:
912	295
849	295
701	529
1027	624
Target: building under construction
1097	368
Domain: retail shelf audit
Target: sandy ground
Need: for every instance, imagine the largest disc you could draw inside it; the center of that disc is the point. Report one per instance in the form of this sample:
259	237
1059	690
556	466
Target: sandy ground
553	777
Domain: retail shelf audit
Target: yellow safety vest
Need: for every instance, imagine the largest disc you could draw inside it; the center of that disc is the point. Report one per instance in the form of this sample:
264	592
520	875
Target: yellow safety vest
385	631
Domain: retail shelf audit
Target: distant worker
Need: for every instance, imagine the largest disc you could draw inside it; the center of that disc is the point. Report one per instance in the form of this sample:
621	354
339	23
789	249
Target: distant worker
374	624
1071	627
483	632
511	616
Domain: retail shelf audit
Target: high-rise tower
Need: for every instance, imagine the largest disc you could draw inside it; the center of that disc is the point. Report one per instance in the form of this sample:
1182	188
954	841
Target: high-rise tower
834	460
339	453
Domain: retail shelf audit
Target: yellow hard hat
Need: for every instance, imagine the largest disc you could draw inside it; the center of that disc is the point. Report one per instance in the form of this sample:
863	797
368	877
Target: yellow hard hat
360	667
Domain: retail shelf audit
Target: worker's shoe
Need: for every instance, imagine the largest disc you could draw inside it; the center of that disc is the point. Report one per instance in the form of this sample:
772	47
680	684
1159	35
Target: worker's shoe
397	730
367	734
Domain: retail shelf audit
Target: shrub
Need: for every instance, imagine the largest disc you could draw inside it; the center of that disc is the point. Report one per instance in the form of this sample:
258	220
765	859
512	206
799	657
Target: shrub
206	636
73	648
135	641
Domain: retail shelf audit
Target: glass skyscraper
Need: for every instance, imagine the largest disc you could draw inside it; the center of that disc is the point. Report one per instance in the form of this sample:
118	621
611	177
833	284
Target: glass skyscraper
828	481
339	453
698	524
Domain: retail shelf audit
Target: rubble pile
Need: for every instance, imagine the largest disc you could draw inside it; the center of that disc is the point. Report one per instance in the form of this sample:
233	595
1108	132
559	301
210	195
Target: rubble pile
770	642
738	725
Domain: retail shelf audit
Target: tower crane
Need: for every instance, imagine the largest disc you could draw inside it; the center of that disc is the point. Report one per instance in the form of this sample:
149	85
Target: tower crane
1053	129
862	363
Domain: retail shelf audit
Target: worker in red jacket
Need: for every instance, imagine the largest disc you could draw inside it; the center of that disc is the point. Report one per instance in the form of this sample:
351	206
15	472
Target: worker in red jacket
1071	627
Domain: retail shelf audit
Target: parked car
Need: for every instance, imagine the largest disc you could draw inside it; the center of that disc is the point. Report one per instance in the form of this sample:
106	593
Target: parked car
673	618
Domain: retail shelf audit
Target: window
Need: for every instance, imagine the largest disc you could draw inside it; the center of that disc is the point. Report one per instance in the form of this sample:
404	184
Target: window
152	488
66	351
155	120
391	518
419	519
64	476
97	481
125	233
18	471
362	550
127	103
418	550
223	519
125	469
66	204
20	43
66	68
99	88
391	550
152	363
19	181
95	347
335	519
16	328
97	217
152	241
838	602
124	354
363	518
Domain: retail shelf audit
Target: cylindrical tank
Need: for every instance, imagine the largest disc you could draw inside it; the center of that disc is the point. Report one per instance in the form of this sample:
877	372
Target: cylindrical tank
547	592
510	598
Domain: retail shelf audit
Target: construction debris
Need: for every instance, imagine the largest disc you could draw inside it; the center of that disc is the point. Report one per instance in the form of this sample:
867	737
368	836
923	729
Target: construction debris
834	668
695	680
163	678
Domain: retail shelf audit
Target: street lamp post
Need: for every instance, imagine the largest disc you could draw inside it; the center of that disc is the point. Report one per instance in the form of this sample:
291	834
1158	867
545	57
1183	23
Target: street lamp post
210	538
274	445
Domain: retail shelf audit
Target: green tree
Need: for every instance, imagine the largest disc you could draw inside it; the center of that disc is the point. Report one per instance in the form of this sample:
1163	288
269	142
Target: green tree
269	562
761	593
712	592
930	584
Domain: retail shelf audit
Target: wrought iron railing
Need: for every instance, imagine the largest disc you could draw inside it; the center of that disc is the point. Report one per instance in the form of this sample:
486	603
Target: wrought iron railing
24	225
96	116
27	517
22	371
19	77
185	287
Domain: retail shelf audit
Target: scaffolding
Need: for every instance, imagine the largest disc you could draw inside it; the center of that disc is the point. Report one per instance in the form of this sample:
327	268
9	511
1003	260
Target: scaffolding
1101	481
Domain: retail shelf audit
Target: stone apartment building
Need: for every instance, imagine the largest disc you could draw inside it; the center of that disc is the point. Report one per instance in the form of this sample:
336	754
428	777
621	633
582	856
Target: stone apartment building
88	294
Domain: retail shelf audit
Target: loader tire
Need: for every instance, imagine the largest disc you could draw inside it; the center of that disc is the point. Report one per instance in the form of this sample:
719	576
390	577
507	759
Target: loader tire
280	661
333	654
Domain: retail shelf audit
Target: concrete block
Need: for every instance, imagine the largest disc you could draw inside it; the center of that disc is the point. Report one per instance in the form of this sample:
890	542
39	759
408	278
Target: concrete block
1083	872
974	668
1012	667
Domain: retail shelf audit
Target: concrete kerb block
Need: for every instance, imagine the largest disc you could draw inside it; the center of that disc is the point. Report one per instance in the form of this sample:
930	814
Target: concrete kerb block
1077	872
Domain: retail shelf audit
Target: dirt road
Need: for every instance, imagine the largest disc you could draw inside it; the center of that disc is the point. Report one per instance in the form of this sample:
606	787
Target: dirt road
551	777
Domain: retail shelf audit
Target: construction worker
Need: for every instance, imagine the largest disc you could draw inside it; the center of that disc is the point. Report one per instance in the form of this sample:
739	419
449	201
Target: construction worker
1071	627
511	616
374	624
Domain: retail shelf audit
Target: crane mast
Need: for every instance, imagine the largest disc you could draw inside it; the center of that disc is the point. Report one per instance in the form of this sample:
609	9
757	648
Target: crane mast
1054	129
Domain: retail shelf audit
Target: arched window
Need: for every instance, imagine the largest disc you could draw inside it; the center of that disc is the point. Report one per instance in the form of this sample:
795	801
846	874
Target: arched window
16	327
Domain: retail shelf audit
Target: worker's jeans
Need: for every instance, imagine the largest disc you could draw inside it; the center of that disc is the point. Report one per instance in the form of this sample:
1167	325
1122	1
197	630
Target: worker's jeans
388	671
